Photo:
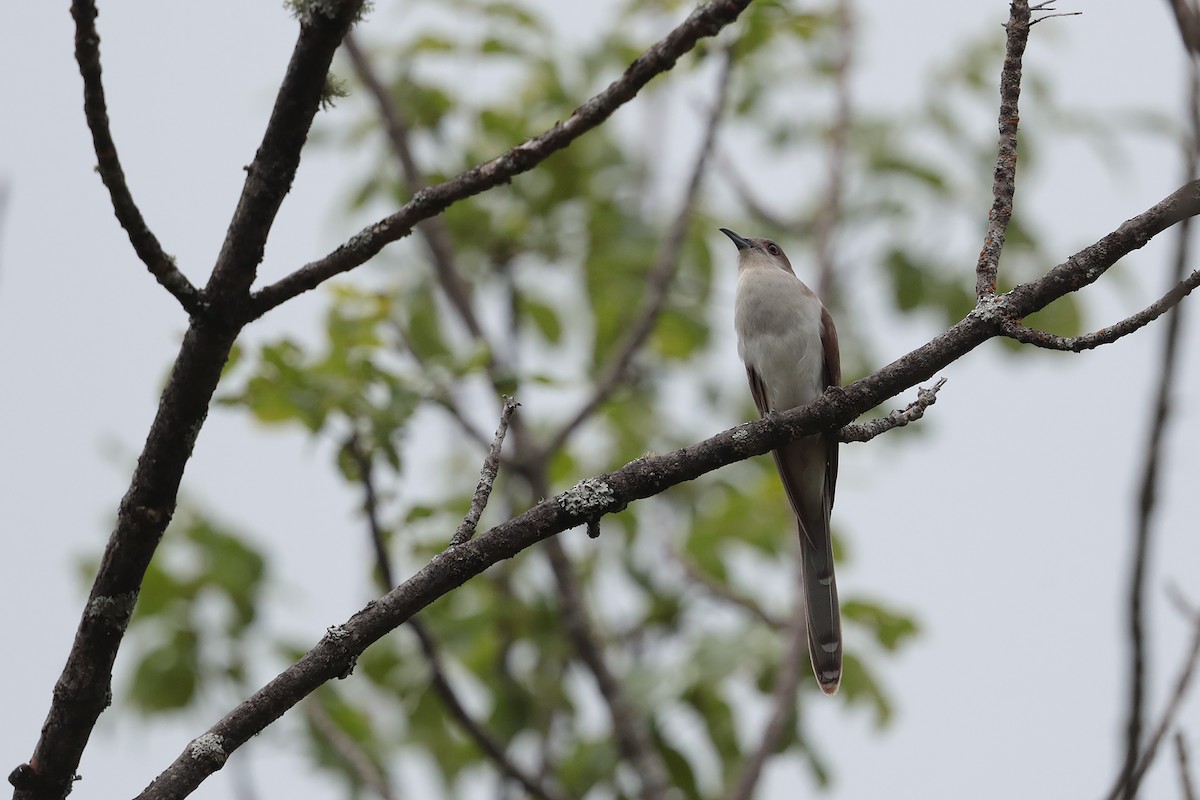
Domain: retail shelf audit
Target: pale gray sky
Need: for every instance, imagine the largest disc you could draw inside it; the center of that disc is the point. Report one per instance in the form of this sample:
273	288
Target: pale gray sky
1016	686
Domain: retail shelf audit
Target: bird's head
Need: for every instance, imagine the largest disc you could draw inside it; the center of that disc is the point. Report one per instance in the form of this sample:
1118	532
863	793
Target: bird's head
758	252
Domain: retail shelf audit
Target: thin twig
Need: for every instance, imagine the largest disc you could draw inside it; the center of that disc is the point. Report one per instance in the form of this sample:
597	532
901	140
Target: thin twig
1004	180
629	729
866	431
1187	788
95	108
661	276
1135	322
726	593
1148	491
757	208
1183	684
830	216
783	702
487	478
432	230
437	673
347	749
707	20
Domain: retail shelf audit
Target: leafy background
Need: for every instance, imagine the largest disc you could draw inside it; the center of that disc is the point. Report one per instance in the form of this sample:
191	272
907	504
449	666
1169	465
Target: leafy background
557	262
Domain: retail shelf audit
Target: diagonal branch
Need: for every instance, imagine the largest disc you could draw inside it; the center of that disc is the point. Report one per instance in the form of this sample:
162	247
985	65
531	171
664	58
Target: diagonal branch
1185	775
437	673
1004	178
95	109
705	21
487	478
433	230
646	477
660	277
348	750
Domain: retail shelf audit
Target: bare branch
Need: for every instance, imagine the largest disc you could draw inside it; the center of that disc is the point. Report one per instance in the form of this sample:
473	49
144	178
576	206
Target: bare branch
866	431
479	734
1183	683
1004	179
1077	344
95	108
661	275
347	749
437	673
1185	775
830	216
783	701
433	230
1187	21
1148	491
629	729
705	21
650	476
487	477
726	593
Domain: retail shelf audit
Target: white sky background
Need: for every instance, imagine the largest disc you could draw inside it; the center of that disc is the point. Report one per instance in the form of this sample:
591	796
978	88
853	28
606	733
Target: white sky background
1016	686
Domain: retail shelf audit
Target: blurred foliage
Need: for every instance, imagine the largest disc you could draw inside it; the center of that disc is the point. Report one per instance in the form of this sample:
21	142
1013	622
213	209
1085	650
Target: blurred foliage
558	264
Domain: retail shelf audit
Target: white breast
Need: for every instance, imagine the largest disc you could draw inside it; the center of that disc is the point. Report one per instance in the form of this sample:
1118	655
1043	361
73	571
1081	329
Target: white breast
778	324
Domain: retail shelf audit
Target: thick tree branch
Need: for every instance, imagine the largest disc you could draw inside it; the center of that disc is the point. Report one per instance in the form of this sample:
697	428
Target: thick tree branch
648	476
1004	179
661	275
84	688
705	21
95	109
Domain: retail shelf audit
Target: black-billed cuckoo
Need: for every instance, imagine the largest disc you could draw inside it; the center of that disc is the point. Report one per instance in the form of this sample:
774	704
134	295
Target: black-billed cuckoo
787	340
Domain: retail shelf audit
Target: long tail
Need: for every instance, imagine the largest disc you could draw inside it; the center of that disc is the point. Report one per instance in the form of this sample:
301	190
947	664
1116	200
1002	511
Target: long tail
808	469
821	610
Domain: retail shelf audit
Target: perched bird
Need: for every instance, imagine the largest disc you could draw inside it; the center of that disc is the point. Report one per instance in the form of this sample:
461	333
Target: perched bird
788	343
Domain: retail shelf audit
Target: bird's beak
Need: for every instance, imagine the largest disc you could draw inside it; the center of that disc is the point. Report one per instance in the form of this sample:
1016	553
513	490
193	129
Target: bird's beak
738	241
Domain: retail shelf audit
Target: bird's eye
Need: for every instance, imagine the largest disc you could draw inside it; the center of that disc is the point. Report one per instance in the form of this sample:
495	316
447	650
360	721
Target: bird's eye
773	249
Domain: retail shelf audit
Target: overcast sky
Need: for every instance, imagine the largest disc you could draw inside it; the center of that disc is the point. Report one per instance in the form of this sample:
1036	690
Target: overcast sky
1006	529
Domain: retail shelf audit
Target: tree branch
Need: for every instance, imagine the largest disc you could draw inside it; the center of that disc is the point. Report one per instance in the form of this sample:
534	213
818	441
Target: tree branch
649	476
437	674
866	431
726	593
83	690
1183	684
487	477
1004	179
95	109
432	230
347	749
826	224
783	700
1135	322
630	730
1148	491
661	275
1185	775
705	21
